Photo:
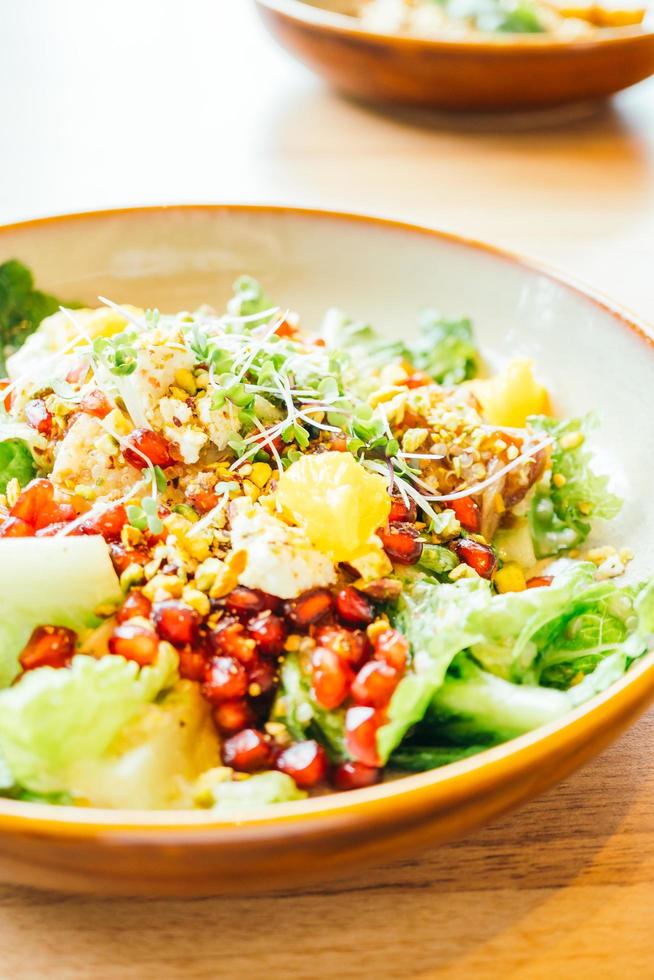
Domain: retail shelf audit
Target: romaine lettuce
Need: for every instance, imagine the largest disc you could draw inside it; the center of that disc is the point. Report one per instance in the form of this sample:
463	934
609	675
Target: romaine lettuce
260	790
16	462
296	708
572	495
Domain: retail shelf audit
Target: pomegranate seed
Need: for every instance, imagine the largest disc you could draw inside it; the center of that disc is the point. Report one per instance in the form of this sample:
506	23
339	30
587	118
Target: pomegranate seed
192	665
308	608
269	633
134	642
354	608
109	523
176	622
38	416
417	380
338	444
48	646
224	680
361	724
332	678
262	675
149	444
392	648
467	513
247	751
202	500
479	556
306	763
38	505
375	683
135	604
402	513
539	580
230	638
233	716
350	645
242	601
354	775
15	527
123	557
401	543
96	403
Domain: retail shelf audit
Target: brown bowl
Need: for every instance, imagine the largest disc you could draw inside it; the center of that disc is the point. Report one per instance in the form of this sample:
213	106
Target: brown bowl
513	72
179	257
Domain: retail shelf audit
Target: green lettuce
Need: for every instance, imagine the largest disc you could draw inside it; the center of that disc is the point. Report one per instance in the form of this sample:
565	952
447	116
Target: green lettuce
54	720
257	791
22	308
296	708
16	462
572	494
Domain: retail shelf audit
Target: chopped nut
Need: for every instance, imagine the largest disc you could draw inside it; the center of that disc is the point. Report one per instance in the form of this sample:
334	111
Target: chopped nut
12	492
462	571
170	585
130	536
197	600
512	452
261	473
186	380
599	555
610	568
376	629
250	490
207	572
413	439
133	575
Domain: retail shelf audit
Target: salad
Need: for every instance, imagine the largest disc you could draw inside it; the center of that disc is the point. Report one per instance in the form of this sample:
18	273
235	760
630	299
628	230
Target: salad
243	562
460	19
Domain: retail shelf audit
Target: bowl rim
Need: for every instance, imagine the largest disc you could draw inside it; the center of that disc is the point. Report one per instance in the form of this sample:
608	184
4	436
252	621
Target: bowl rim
510	45
431	789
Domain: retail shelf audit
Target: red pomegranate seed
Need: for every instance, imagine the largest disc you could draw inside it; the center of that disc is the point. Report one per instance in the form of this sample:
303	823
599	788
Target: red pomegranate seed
242	601
48	646
332	678
539	580
176	622
401	543
123	557
467	513
149	444
15	527
135	642
224	680
354	775
392	648
202	500
269	633
375	683
109	523
248	751
361	724
338	444
233	716
96	403
309	608
192	664
135	604
38	416
39	505
418	380
402	513
479	556
350	645
230	639
305	762
262	676
353	608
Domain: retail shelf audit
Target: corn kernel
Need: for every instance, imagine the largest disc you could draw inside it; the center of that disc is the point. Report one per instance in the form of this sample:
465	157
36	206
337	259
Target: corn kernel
462	571
292	644
376	629
261	473
413	439
510	578
571	440
559	480
132	575
130	536
186	380
116	421
586	508
250	490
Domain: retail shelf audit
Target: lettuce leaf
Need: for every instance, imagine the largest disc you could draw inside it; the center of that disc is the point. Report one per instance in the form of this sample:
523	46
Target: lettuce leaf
22	308
296	708
16	462
257	791
52	720
564	504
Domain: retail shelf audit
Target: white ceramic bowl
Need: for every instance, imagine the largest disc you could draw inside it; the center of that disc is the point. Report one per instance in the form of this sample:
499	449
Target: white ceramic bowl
592	356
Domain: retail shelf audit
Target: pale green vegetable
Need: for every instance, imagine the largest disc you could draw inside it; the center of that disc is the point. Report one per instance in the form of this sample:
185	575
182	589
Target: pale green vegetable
260	790
53	721
53	582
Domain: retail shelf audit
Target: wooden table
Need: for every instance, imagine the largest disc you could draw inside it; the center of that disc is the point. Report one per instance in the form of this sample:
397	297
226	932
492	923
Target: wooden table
150	102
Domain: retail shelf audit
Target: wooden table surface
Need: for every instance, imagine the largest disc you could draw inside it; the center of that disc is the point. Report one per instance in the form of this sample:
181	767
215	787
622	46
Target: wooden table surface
155	101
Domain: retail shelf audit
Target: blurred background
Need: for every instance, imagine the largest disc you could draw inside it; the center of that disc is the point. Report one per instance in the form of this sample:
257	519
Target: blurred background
105	105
